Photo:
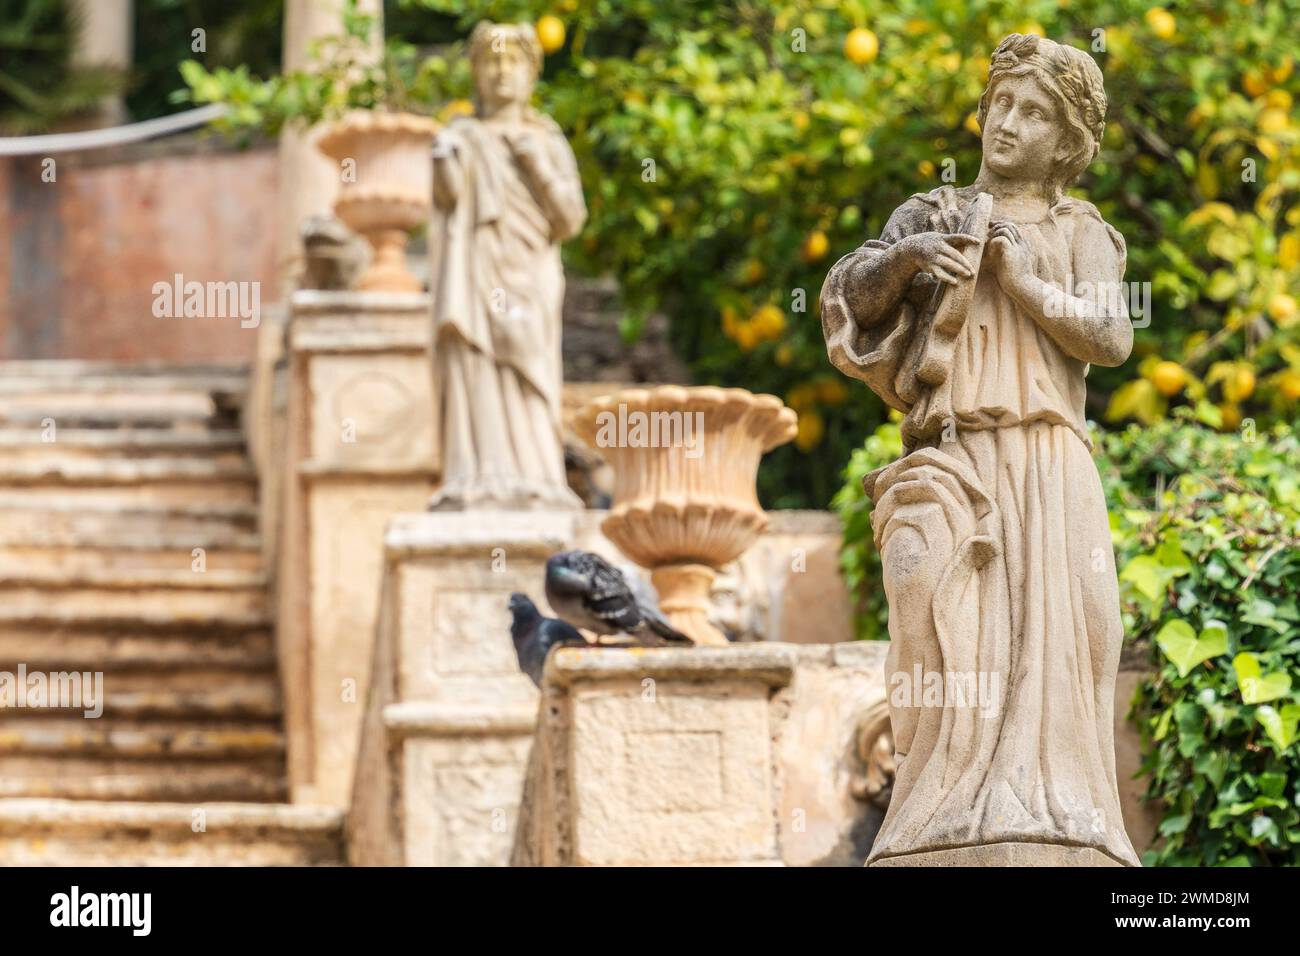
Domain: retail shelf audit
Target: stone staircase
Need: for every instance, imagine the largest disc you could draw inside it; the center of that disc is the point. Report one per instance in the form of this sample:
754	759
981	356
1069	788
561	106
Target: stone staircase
129	546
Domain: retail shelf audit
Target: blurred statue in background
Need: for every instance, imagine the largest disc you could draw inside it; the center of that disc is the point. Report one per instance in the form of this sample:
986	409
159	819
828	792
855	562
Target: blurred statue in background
506	193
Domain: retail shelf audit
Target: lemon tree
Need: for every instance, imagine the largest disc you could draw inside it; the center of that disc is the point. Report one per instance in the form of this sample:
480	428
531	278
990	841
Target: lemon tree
732	152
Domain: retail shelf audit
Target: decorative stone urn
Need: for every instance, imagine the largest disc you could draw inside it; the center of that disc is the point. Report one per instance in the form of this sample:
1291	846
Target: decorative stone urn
389	191
685	461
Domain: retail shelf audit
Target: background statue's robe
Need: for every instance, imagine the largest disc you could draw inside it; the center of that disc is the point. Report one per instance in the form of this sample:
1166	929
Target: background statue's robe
497	286
1001	559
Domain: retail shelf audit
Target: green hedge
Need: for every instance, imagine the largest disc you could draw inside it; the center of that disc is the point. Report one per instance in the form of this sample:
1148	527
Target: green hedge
1206	528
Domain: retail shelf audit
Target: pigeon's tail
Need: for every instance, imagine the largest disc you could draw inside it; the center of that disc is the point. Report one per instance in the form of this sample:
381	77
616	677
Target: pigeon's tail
654	622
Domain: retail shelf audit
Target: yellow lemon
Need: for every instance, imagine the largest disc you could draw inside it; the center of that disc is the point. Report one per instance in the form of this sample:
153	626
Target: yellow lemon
456	108
800	121
1231	416
1254	83
752	272
768	322
815	246
1272	120
973	124
1288	251
784	355
1279	99
746	336
1239	386
801	397
861	46
1169	378
1161	22
811	429
1280	73
831	391
1288	384
550	32
925	168
1282	308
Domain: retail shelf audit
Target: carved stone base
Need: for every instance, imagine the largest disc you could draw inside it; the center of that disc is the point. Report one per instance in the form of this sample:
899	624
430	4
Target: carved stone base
1004	854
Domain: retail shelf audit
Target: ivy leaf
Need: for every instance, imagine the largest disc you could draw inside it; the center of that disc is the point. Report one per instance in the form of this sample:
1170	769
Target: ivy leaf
1280	727
1185	650
1256	688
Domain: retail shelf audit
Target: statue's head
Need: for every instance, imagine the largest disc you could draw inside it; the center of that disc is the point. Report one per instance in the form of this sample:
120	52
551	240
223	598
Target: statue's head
506	59
1043	111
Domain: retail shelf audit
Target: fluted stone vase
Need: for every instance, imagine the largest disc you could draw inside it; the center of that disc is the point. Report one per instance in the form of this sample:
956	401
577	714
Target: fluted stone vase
387	187
685	462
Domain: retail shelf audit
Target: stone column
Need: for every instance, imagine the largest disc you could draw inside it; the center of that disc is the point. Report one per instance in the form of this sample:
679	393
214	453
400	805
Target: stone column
449	718
360	445
105	39
308	179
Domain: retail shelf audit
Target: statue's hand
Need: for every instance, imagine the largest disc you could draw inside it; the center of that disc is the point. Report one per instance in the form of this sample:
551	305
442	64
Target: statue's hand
528	149
1011	257
939	254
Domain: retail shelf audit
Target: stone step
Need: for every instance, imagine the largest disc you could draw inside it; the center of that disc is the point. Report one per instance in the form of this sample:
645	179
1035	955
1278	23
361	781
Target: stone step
122	481
122	409
224	445
81	370
64	521
68	648
183	593
198	693
138	619
145	741
172	778
105	553
68	833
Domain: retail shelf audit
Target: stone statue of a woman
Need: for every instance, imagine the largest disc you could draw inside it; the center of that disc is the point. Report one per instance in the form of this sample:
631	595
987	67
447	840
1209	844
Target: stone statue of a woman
506	194
977	314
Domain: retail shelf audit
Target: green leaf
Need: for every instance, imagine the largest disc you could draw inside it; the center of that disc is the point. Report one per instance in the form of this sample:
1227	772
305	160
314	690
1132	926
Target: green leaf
1256	688
1185	650
1280	727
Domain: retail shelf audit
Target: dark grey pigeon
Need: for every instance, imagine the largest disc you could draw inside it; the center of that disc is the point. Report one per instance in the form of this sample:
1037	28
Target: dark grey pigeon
588	591
534	636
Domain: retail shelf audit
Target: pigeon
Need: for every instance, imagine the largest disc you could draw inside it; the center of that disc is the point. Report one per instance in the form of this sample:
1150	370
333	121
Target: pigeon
534	636
588	591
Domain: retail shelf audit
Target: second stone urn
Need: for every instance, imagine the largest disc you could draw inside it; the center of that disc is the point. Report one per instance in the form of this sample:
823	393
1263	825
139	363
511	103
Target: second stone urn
387	187
685	462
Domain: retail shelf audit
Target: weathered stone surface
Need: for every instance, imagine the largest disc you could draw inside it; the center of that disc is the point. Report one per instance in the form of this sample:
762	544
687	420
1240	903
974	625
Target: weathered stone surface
977	314
360	446
449	718
497	284
89	833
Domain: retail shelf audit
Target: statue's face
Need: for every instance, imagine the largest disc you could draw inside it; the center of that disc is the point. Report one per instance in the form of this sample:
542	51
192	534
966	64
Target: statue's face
504	76
1024	133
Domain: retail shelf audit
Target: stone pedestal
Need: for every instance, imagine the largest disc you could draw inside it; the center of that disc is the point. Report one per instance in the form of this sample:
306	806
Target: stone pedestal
740	755
360	446
449	717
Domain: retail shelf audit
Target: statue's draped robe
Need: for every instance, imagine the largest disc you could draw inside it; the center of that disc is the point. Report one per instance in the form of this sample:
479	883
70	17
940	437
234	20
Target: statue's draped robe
497	287
1000	475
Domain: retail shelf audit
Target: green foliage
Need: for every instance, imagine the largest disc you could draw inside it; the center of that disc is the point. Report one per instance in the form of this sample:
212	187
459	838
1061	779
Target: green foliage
248	33
39	87
859	559
1206	528
343	75
757	147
